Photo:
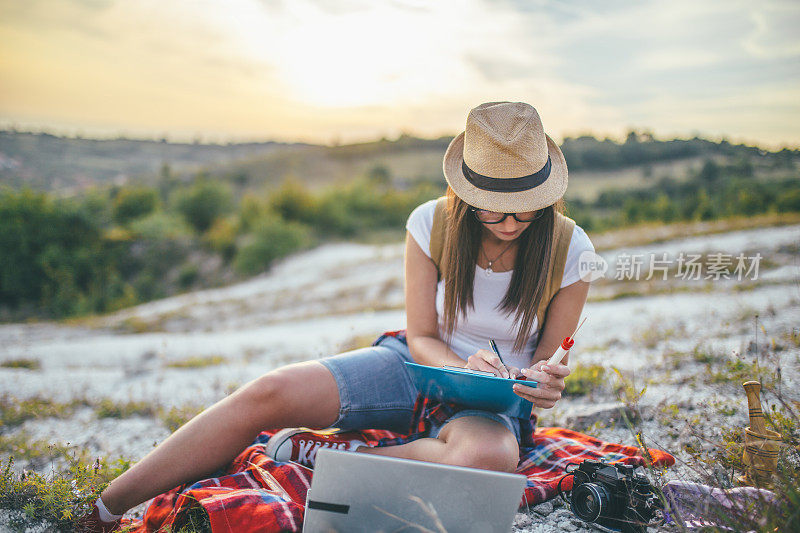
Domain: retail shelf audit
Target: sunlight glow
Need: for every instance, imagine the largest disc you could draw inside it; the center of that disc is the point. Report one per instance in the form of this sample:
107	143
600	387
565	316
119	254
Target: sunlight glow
380	55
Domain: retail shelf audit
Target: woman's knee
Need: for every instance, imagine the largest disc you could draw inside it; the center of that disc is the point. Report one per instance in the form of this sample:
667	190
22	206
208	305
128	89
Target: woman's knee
488	457
263	390
291	395
500	453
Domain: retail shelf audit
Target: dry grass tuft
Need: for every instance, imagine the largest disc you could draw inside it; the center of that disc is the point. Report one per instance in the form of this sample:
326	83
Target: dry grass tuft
28	364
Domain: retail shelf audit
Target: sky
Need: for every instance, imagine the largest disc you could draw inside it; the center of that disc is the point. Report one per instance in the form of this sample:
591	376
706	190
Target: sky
339	71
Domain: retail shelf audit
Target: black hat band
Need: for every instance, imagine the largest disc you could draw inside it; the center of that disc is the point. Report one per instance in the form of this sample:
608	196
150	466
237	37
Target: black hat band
506	184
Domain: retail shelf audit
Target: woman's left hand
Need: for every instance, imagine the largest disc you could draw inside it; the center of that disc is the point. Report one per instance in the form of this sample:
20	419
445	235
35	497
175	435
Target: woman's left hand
550	379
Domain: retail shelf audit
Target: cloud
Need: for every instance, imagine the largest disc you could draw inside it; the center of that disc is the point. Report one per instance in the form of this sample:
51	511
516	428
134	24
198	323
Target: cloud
775	32
74	16
318	68
96	5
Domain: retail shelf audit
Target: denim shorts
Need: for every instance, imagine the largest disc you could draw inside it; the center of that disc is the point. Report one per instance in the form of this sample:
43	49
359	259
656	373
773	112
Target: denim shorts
376	391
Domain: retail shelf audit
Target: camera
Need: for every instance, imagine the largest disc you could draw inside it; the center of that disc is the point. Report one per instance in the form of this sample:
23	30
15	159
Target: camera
614	496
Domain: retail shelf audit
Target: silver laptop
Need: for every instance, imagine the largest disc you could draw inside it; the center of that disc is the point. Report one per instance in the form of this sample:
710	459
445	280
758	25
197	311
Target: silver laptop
353	492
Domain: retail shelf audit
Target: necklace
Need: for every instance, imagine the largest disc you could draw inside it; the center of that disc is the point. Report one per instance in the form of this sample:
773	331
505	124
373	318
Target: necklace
490	262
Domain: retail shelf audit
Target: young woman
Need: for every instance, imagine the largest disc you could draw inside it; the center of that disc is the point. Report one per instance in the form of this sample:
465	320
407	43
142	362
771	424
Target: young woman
500	250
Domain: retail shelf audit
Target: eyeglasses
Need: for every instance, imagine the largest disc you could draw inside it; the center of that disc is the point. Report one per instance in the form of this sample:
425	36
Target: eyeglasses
492	217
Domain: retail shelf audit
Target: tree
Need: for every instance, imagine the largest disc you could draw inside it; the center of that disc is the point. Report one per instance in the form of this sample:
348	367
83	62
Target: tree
704	210
710	172
380	175
293	202
789	202
202	203
52	255
271	239
133	203
665	209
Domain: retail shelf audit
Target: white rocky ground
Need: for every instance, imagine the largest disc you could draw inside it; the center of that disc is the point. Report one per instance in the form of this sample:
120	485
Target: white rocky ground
339	296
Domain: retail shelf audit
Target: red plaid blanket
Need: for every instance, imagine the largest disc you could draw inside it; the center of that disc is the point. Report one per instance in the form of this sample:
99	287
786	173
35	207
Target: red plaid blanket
257	494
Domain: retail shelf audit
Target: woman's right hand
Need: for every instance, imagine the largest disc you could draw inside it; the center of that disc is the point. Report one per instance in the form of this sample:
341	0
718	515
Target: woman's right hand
488	361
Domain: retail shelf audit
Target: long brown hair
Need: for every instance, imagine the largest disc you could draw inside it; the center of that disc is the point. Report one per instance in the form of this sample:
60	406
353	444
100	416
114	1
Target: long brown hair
462	243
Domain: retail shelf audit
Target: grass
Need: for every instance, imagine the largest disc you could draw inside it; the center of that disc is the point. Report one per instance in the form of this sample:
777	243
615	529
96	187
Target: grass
172	418
107	408
28	364
584	379
656	232
196	521
56	500
712	450
36	453
197	362
675	359
175	417
738	371
629	395
14	411
793	337
670	411
137	325
654	335
358	341
726	409
720	460
646	289
706	356
783	419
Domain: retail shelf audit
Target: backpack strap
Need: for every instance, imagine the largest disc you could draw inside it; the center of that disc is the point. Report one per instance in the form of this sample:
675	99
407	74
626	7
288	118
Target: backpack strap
562	235
437	234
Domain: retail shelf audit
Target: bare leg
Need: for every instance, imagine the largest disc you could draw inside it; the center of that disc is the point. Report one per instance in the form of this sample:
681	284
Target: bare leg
472	441
303	394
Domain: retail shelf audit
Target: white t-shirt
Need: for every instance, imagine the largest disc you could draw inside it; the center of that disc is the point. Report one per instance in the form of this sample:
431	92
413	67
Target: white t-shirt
485	321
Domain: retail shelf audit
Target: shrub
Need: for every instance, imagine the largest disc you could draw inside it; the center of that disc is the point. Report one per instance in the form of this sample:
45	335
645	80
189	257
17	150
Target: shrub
252	208
54	502
271	239
221	237
53	255
789	201
334	217
294	202
202	203
133	203
188	274
160	226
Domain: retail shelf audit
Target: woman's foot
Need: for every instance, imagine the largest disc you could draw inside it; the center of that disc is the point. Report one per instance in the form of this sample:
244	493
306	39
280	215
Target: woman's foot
300	445
92	523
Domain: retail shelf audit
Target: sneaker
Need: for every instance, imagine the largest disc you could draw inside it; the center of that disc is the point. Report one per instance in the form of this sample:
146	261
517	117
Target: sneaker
300	445
91	523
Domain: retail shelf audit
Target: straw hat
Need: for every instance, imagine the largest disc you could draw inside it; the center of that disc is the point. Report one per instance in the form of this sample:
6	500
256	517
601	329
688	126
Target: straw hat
504	161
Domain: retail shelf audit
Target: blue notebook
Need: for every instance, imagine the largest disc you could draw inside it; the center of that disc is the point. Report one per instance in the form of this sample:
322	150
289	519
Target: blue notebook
475	391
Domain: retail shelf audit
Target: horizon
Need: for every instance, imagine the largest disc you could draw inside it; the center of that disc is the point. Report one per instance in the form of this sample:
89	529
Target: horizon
198	140
333	73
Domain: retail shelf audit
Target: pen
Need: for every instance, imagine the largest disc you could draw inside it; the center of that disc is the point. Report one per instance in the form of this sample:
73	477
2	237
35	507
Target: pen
493	345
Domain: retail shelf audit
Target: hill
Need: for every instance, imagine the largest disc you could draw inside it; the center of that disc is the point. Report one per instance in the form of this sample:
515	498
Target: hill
48	162
68	165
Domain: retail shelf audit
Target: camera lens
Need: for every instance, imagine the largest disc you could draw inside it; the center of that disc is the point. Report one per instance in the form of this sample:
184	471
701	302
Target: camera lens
589	500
